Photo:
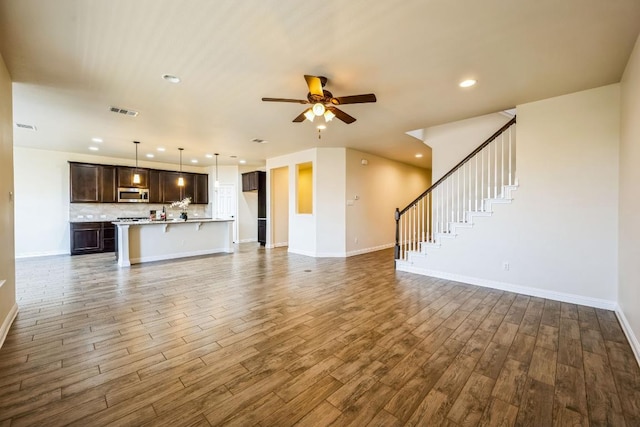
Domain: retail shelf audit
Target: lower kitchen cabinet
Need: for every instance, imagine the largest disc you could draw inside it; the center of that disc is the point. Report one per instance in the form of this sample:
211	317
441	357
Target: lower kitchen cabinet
92	237
262	231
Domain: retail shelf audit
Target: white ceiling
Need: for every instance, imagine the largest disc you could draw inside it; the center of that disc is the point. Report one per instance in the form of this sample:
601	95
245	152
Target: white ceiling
73	59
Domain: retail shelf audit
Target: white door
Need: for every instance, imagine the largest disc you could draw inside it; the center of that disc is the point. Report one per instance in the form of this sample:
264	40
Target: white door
226	205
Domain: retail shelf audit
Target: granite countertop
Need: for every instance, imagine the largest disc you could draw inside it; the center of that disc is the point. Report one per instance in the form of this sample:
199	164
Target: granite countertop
173	221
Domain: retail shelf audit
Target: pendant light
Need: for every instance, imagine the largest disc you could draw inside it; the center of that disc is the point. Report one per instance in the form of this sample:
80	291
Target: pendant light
216	183
180	179
136	175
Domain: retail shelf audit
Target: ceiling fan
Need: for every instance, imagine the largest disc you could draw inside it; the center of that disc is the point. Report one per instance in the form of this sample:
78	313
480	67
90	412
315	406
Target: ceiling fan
323	103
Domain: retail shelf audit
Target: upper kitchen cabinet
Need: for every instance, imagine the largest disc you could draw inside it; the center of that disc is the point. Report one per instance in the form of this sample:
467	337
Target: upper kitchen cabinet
125	177
108	191
89	183
201	193
250	181
171	192
155	189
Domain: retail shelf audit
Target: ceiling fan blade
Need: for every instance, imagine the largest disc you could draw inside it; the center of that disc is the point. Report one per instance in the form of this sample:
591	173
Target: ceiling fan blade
354	99
342	115
296	101
300	118
315	85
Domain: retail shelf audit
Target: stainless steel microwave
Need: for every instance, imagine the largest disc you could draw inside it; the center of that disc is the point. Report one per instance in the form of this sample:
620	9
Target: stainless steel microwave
133	195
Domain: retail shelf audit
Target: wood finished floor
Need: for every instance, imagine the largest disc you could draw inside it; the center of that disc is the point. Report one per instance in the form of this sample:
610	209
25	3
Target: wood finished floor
271	339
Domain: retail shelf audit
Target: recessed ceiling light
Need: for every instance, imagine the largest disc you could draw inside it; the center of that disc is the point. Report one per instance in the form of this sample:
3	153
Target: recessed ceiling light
97	140
242	162
171	78
160	149
93	148
209	156
151	156
322	127
418	155
467	83
194	161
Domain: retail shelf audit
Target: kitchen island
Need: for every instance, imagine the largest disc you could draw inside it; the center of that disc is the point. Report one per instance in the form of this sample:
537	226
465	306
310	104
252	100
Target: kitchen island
147	241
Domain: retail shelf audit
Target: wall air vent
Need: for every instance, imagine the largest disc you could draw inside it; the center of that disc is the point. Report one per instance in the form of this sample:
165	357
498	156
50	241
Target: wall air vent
25	126
123	111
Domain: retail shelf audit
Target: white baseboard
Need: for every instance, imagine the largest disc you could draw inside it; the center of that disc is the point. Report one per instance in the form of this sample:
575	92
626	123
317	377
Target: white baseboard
40	254
247	240
280	245
371	249
8	321
631	337
509	287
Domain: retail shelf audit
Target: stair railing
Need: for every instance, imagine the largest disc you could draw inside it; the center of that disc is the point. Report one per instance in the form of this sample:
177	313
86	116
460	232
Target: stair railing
481	175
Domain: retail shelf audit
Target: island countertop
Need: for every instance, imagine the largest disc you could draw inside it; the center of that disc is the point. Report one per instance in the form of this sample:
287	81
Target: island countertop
172	221
146	241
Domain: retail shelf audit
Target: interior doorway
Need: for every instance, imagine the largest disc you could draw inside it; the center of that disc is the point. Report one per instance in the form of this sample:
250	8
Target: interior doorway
226	205
280	207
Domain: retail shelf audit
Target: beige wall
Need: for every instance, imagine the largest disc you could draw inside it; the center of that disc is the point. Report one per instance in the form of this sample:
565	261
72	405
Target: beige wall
279	215
373	192
629	230
8	307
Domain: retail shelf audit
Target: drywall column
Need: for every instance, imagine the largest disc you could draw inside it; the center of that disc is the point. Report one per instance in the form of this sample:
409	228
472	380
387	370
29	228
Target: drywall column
8	306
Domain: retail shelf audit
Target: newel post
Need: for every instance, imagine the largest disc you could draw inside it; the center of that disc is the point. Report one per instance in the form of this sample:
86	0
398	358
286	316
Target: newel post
397	247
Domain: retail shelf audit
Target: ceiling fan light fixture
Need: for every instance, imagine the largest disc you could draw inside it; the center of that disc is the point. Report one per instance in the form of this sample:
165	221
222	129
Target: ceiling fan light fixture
309	115
318	109
467	83
328	115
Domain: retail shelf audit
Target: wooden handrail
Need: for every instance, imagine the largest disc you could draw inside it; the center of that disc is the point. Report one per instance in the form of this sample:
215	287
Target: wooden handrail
399	213
459	165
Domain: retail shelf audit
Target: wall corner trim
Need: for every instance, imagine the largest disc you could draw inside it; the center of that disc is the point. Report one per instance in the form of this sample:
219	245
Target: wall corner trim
8	321
631	337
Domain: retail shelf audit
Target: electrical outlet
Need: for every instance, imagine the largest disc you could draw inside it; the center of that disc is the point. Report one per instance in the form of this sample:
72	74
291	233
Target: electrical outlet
505	266
355	240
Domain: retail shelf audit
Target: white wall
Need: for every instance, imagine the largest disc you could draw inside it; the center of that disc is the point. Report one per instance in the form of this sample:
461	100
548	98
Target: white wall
452	142
329	201
8	306
560	235
373	192
629	230
42	197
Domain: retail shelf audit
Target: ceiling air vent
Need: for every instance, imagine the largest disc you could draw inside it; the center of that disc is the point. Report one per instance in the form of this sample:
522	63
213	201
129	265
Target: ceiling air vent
123	111
27	127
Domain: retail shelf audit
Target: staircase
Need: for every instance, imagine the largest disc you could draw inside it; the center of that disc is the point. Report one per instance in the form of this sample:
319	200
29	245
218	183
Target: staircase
469	191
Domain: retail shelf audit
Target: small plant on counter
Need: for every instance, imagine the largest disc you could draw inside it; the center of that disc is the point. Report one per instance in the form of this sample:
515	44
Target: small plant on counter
183	205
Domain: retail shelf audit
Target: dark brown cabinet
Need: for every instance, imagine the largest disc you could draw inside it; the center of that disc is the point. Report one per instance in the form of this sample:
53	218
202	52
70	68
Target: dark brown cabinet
250	181
155	188
92	237
201	192
108	192
91	183
125	177
257	181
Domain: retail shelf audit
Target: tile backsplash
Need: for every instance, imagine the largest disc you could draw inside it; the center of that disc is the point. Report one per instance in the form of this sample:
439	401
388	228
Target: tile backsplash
110	211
